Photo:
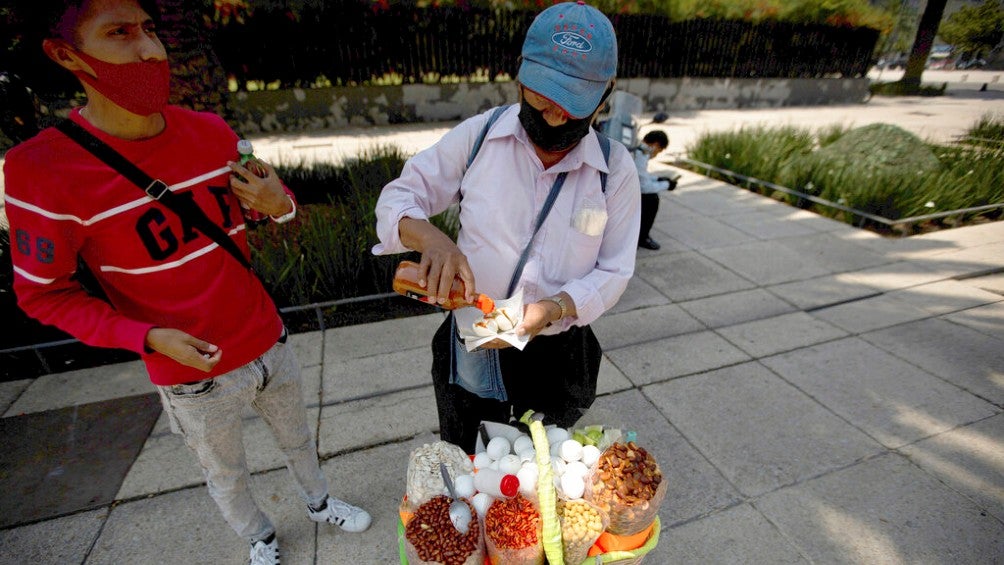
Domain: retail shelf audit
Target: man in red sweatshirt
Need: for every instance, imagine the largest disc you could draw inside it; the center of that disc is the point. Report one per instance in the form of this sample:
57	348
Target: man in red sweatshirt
210	336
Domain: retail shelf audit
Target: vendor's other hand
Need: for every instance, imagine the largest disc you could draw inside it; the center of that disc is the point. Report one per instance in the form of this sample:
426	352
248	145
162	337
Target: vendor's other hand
537	316
184	348
264	194
495	344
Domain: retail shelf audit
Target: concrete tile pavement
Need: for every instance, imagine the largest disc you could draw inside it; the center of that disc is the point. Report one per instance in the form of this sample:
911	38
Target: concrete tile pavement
813	392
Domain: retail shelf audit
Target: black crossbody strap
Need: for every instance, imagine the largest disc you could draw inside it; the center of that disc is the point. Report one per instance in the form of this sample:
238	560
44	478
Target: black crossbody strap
185	208
605	148
544	211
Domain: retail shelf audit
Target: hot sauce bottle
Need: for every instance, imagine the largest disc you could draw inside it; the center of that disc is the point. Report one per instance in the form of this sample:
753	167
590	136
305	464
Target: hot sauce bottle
406	283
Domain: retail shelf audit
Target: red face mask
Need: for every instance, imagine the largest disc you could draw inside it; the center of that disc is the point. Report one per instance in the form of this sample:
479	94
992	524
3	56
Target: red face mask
141	88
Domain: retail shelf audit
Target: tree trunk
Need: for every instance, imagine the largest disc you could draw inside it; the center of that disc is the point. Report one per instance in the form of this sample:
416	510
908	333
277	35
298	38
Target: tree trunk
926	31
198	81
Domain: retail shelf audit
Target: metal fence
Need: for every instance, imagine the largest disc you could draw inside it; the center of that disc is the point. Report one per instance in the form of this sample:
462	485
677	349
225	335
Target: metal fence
653	47
349	43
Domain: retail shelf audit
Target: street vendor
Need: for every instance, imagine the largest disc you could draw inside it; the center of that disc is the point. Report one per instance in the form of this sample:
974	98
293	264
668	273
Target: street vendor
546	205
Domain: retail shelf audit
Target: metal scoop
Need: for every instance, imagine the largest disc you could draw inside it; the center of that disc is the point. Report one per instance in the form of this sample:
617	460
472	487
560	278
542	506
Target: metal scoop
460	512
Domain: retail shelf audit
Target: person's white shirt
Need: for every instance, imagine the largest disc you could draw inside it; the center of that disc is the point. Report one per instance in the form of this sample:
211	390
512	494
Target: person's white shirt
649	183
586	246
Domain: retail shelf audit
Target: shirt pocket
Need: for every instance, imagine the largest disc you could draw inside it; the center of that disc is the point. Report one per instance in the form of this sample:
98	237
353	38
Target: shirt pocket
580	243
589	217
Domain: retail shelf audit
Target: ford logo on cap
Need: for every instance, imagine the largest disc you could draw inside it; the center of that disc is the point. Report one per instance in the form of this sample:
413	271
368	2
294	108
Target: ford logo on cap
572	41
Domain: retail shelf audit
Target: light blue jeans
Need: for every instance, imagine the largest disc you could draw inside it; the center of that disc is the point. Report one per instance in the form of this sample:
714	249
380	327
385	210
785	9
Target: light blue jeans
208	414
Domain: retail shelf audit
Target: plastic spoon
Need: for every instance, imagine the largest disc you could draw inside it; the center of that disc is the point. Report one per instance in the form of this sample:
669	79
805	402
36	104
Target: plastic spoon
460	512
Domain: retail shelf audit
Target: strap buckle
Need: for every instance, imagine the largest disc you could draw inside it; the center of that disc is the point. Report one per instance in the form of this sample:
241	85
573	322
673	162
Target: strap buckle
156	189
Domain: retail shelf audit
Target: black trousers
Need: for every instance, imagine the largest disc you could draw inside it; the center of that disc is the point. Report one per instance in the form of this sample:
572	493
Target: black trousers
649	208
555	375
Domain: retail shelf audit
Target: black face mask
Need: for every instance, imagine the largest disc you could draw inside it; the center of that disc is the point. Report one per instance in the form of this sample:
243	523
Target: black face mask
548	137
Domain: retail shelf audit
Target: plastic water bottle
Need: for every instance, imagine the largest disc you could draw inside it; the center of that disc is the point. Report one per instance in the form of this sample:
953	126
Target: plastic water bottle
496	483
251	163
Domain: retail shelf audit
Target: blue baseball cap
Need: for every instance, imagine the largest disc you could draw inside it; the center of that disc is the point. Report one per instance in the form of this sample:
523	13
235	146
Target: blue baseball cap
569	56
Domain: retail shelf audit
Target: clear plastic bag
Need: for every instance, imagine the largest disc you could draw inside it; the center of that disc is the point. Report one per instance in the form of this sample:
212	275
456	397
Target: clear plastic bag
628	556
628	485
429	536
424	477
581	525
513	532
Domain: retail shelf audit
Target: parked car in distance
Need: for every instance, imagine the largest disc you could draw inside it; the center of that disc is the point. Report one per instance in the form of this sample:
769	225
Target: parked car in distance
974	63
892	62
939	58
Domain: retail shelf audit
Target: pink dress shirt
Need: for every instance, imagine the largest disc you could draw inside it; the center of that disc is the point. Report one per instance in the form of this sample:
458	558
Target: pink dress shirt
586	246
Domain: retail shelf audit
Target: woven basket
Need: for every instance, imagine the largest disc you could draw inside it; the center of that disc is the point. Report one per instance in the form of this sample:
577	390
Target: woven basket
632	557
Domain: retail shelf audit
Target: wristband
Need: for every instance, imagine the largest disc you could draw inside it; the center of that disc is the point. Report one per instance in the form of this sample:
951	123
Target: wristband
287	216
561	304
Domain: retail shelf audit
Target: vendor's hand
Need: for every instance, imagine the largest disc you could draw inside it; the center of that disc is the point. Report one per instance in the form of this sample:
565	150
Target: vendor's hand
264	194
495	344
441	262
184	348
537	316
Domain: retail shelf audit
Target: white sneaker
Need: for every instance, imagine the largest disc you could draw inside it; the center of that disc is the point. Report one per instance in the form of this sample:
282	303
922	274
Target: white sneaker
265	552
342	514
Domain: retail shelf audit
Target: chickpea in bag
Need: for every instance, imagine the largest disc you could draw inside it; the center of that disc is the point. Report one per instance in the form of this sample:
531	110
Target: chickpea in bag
627	484
581	525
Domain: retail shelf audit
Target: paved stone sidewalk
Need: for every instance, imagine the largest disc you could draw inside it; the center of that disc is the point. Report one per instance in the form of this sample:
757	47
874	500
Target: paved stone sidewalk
813	392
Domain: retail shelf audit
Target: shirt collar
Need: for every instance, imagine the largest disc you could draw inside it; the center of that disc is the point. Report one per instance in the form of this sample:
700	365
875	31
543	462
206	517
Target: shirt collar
587	151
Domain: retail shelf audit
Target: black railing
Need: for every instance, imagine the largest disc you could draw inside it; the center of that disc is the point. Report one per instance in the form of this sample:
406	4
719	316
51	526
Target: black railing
349	43
652	47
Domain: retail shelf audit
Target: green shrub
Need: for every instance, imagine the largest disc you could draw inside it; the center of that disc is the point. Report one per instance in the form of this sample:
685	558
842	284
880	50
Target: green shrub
325	252
755	151
897	88
828	134
988	131
877	169
323	183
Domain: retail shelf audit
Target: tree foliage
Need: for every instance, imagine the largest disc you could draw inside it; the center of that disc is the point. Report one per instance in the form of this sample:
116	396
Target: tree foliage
974	30
899	37
852	13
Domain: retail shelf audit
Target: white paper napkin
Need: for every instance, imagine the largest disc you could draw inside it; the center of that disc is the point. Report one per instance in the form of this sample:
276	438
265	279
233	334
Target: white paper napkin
466	317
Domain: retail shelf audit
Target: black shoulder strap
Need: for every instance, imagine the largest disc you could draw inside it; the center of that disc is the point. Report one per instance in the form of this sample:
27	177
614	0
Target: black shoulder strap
185	208
492	118
484	133
605	148
600	136
551	197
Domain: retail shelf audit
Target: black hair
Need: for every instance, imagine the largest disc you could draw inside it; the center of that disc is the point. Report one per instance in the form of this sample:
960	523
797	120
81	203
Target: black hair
48	19
35	21
656	136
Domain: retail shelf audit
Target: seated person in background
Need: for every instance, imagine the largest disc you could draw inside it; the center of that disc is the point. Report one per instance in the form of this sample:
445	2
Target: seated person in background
652	144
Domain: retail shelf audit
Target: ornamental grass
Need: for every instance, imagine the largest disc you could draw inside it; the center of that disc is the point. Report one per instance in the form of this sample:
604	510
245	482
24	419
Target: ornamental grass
878	169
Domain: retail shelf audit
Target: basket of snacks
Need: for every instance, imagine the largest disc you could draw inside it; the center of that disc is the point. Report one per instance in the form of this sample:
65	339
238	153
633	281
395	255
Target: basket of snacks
554	496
